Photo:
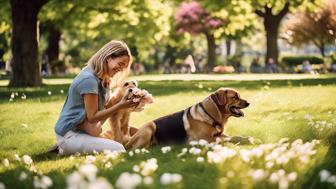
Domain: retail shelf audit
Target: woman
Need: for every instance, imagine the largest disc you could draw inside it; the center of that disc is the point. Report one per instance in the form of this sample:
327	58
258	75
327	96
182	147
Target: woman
79	125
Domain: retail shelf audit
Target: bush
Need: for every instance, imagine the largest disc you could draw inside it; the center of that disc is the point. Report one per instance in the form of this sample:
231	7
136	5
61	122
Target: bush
333	58
297	60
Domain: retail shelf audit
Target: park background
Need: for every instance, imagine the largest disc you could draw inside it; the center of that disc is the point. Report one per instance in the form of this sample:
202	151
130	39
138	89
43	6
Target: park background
280	55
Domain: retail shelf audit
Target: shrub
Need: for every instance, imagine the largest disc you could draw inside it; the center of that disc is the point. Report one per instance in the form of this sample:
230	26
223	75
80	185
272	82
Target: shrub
297	60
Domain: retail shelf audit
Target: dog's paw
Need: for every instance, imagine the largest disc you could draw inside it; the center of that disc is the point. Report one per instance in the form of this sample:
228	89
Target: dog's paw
255	141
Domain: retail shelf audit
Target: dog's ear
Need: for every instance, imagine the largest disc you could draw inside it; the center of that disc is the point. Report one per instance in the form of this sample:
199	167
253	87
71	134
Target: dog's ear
135	82
219	97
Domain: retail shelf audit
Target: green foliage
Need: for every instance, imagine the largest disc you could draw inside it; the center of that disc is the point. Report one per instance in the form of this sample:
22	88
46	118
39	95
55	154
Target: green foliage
297	60
277	5
87	25
5	30
240	17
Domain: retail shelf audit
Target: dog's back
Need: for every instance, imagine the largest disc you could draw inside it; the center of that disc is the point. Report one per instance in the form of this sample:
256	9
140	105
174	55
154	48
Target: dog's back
170	129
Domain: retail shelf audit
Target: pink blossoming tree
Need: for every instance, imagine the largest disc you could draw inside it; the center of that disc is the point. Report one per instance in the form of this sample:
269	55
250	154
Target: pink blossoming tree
194	19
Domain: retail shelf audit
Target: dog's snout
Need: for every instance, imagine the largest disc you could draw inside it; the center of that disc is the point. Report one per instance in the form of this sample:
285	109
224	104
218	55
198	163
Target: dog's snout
247	104
130	90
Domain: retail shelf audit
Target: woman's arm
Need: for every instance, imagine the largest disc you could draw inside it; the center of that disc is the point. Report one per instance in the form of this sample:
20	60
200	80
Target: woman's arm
95	118
93	115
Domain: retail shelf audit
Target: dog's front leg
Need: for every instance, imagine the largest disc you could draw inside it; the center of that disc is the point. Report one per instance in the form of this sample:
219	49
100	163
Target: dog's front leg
236	139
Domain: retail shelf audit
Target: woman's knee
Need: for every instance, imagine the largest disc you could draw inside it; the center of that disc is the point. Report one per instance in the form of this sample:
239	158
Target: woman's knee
116	146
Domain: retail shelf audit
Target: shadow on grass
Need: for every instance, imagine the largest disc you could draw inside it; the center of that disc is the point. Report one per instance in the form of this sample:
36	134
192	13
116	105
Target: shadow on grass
160	88
313	180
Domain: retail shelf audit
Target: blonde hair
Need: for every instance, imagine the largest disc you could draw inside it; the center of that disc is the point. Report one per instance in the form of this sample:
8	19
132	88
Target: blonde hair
98	62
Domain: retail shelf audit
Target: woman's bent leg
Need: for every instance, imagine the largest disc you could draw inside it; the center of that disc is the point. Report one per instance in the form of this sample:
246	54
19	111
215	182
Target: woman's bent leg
78	142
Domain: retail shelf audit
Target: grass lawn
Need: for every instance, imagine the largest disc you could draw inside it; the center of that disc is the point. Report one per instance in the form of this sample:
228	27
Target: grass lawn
301	109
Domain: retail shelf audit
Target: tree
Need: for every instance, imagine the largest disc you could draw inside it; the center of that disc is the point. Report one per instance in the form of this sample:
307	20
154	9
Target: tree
272	12
194	19
318	28
55	18
26	69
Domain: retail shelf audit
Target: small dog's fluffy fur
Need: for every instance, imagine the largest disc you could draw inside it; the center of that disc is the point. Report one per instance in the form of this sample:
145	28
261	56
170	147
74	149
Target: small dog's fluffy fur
120	131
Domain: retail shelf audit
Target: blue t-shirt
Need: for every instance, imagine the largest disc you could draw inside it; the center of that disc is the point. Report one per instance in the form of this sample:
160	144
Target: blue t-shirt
73	111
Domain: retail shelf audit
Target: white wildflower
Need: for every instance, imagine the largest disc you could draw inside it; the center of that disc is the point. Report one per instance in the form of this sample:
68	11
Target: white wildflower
6	162
257	152
108	165
332	179
283	183
131	153
292	176
128	181
195	151
27	160
74	179
245	155
269	164
90	159
17	157
148	167
274	178
220	154
24	125
2	185
324	175
136	168
144	150
43	182
112	155
23	176
193	143
258	175
33	169
137	151
166	149
203	142
200	159
148	180
100	183
88	170
49	93
170	178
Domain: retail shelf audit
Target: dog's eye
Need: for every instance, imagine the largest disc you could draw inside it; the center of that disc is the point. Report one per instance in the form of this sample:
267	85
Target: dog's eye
126	84
134	83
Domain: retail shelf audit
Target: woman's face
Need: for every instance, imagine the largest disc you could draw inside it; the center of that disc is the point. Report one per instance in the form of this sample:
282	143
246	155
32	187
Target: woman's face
117	64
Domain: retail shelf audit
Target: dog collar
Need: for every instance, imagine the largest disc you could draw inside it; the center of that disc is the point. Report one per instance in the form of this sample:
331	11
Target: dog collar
215	123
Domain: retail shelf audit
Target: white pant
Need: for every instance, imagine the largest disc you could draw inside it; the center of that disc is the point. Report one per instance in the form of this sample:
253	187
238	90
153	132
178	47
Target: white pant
79	142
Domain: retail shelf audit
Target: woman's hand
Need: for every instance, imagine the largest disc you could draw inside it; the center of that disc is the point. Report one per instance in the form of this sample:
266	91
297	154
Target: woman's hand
126	103
93	129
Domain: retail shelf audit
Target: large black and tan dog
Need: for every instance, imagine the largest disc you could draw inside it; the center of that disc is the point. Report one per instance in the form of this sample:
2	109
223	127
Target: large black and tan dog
204	120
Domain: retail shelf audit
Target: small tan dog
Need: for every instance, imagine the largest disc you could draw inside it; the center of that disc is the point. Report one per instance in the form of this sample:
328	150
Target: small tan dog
119	121
204	120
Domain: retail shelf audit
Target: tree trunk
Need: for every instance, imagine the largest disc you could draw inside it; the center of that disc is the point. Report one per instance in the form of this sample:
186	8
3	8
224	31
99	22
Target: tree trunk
25	68
322	49
228	47
211	51
271	25
54	37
